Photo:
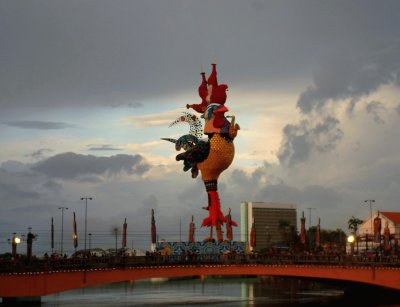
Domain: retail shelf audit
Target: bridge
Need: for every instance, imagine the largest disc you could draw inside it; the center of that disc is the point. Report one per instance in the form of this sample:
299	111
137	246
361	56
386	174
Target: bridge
43	277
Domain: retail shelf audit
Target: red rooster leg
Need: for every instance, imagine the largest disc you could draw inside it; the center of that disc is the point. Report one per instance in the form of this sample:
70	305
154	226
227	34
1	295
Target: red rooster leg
215	217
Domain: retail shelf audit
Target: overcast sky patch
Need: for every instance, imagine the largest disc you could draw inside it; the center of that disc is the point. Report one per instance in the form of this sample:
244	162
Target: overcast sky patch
40	125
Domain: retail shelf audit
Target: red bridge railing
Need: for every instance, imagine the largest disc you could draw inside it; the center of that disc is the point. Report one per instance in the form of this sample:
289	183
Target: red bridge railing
92	262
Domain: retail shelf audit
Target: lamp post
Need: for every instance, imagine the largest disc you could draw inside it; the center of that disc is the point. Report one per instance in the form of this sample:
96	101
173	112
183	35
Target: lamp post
62	226
309	215
86	200
15	240
370	201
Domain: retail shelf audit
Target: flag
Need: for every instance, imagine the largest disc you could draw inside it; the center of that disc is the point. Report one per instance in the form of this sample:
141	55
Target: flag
191	231
318	234
75	237
253	235
229	224
386	235
377	229
153	228
52	234
303	230
124	226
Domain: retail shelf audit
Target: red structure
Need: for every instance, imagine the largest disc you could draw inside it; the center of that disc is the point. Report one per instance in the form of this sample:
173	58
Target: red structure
303	230
191	231
124	228
229	224
377	228
318	234
75	236
153	228
44	283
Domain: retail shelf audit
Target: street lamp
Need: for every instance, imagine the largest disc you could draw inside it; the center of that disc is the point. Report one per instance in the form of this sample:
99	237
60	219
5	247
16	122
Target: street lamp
86	199
370	201
15	240
62	226
350	239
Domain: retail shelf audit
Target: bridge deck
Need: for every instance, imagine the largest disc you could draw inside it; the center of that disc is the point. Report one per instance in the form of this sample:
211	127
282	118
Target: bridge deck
40	283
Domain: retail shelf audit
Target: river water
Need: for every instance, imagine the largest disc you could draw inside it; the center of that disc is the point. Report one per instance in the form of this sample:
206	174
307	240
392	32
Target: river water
232	292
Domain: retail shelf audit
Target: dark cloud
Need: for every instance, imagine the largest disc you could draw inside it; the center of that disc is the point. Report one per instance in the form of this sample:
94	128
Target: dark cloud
148	203
376	108
350	76
16	187
280	193
9	192
53	186
104	147
12	166
300	140
69	53
40	125
72	166
39	154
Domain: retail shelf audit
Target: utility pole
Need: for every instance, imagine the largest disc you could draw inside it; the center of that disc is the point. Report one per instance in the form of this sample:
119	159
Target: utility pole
62	226
86	199
370	201
309	215
309	227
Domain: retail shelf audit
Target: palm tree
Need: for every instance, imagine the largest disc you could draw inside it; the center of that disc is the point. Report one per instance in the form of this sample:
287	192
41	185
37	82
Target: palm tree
284	230
353	224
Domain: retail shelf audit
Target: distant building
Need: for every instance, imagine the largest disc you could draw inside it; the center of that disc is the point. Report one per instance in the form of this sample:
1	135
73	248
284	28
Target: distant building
391	219
268	218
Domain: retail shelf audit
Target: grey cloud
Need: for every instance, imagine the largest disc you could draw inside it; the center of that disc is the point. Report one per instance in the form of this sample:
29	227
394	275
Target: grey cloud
148	203
69	53
398	109
39	154
104	147
53	186
296	146
375	108
16	187
345	76
300	140
11	166
319	196
36	124
72	166
280	193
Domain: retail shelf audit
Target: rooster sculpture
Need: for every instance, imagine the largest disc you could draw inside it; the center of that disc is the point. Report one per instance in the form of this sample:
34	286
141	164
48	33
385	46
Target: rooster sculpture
214	155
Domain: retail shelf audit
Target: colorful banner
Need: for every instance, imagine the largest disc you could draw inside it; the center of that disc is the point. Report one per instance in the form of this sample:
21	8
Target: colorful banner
124	227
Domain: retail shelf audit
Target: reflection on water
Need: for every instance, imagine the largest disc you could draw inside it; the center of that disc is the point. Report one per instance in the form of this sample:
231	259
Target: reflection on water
251	291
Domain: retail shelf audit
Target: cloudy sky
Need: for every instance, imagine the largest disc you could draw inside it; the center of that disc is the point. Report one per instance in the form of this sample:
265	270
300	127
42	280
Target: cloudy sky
88	88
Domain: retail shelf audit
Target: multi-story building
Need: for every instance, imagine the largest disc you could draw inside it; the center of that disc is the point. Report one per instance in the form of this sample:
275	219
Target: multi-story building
269	219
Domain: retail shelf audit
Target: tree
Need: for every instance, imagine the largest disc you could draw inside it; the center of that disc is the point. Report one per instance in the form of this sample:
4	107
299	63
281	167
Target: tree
284	228
353	224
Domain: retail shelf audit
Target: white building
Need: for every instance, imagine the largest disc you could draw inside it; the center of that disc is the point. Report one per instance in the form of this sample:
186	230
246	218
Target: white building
366	229
392	219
